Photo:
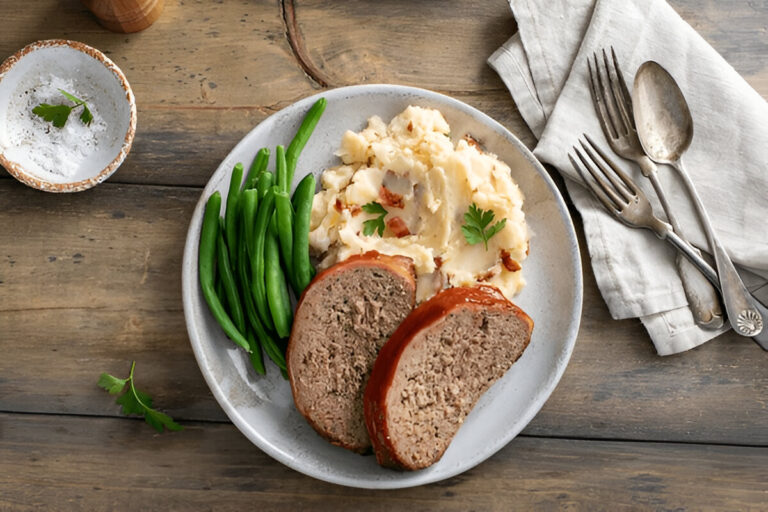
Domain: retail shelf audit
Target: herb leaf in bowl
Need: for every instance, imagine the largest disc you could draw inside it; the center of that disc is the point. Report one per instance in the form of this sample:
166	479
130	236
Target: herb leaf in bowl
58	114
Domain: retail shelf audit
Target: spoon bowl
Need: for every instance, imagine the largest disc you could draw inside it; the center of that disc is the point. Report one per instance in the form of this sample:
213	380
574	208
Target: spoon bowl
663	119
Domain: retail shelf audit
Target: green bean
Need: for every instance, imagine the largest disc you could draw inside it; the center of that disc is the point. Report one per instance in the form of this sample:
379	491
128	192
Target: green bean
272	349
219	287
249	203
277	291
248	207
263	336
302	136
274	353
228	281
230	211
206	265
258	284
302	268
282	169
220	293
268	343
258	166
257	359
250	307
284	218
265	182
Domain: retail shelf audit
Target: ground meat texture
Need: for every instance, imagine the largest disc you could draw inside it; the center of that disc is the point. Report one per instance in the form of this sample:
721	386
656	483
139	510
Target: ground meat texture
343	319
435	368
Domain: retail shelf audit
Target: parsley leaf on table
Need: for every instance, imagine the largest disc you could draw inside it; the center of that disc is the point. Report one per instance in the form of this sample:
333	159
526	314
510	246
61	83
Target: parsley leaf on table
135	401
475	223
58	114
112	384
373	225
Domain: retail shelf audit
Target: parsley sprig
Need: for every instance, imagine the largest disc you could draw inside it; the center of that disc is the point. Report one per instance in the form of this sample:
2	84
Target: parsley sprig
371	226
58	114
136	402
475	223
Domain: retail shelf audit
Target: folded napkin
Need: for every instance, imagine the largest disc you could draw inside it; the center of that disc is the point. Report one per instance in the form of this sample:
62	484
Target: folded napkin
545	68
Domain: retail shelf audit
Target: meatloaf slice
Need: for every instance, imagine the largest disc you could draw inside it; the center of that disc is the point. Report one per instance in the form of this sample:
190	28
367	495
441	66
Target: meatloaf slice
435	367
343	318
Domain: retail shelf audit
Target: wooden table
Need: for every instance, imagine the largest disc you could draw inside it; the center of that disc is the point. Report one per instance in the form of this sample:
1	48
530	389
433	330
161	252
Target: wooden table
91	281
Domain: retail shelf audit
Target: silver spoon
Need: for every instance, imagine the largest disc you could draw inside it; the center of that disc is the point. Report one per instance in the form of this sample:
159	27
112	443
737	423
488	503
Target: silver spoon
665	127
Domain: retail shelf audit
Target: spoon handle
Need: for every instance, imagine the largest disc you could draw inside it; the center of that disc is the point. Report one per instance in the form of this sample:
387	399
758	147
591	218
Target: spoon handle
694	256
739	303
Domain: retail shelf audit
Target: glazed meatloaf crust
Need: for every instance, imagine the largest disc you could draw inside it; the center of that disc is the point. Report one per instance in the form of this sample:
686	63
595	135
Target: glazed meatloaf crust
435	367
343	318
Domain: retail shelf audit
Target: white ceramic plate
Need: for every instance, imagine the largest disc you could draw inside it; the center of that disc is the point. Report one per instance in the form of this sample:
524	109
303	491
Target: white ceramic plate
262	407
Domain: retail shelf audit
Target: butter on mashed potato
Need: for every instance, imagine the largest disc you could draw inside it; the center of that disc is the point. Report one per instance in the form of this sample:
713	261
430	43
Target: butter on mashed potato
426	184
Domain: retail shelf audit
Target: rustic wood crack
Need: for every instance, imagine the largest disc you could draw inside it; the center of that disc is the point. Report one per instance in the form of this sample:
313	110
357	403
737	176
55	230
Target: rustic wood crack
297	45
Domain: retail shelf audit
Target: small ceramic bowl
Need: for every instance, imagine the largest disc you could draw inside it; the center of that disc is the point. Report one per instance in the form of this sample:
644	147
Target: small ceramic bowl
77	155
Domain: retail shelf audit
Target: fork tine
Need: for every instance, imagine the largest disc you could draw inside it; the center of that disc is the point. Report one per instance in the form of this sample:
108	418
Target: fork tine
618	95
624	90
629	188
590	162
605	121
607	95
596	190
618	186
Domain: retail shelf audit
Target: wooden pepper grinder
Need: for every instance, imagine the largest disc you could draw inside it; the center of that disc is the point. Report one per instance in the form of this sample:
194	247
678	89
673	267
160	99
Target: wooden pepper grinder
125	15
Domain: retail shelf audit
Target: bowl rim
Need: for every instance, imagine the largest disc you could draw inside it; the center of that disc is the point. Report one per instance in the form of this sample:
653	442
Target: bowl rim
18	172
190	286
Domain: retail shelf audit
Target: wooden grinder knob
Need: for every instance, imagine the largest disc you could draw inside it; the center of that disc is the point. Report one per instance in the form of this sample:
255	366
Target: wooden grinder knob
125	15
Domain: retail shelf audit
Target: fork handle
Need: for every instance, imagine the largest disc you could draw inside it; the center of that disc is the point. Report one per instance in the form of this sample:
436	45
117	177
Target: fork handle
703	300
689	252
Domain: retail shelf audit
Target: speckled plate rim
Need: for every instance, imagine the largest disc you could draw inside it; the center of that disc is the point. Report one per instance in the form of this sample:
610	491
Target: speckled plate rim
19	173
190	286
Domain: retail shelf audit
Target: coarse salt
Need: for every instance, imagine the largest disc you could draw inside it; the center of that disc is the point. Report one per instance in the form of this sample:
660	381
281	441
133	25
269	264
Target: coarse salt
50	151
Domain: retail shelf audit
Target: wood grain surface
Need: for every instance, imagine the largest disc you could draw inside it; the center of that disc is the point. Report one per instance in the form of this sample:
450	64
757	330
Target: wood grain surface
213	467
91	281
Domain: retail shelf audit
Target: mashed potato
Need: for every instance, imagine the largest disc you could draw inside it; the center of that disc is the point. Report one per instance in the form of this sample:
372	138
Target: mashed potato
426	184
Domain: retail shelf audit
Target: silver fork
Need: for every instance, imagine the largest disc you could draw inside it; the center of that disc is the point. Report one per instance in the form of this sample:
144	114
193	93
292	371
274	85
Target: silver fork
626	201
613	104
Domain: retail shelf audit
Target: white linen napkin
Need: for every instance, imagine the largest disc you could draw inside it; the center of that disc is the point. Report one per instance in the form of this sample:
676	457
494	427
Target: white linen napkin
545	68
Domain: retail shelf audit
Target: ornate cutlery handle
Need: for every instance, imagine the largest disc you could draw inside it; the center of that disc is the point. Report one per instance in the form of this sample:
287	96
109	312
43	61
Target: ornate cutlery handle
748	321
739	303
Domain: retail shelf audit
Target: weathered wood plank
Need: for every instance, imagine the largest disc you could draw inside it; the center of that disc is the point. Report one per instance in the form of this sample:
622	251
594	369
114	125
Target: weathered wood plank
425	44
197	54
47	463
91	281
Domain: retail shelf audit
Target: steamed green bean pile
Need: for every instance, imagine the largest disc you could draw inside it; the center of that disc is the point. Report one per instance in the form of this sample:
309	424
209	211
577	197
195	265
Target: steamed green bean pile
251	258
